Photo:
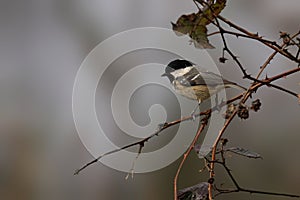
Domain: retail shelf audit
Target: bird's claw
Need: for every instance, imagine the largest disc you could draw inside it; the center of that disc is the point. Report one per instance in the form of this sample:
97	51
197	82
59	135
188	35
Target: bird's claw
218	108
193	116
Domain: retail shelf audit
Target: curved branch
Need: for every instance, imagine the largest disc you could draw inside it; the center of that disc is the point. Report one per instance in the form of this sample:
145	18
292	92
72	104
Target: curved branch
185	155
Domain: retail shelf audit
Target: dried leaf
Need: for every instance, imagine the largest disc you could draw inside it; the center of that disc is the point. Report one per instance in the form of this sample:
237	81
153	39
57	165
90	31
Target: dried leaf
196	192
215	10
191	25
199	37
299	98
185	24
244	152
195	24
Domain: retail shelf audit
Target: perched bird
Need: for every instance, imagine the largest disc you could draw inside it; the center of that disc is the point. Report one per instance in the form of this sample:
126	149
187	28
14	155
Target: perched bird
192	82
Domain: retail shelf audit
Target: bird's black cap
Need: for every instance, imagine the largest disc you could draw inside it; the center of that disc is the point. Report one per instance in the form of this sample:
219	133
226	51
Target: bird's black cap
179	64
175	65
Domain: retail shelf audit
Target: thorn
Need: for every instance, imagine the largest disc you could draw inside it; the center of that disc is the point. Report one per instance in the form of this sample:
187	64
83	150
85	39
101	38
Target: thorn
193	117
211	180
76	172
247	76
273	42
267	78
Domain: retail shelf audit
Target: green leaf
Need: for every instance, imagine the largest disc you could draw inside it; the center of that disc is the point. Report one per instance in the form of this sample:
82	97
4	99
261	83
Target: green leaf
244	152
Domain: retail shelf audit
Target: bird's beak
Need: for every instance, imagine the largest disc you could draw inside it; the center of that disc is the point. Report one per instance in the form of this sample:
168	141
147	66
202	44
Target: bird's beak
164	74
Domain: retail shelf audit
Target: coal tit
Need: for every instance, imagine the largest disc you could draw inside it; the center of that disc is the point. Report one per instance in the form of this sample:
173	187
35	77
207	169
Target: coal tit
192	82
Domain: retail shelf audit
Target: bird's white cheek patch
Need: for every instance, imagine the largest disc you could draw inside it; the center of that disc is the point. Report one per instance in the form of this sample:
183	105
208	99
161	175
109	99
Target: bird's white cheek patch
181	72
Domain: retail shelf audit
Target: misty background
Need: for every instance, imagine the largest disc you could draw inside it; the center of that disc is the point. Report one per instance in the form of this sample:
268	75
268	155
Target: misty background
43	43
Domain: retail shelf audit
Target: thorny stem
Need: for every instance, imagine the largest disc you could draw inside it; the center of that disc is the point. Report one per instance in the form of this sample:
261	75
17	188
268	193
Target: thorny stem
185	155
243	96
275	47
228	50
241	189
262	68
156	133
254	86
243	100
247	94
238	188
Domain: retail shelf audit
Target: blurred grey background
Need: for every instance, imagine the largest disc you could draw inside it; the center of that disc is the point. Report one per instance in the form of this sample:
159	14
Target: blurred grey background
42	44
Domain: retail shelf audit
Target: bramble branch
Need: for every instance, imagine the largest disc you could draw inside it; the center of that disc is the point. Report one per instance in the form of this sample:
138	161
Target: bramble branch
186	154
238	188
256	82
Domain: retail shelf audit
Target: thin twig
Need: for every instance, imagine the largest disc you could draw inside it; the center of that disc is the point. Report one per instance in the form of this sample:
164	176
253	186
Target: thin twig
274	47
156	133
185	155
245	97
213	33
258	38
262	68
133	163
241	189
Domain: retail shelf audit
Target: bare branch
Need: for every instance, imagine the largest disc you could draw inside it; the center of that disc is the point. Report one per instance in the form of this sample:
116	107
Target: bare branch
186	154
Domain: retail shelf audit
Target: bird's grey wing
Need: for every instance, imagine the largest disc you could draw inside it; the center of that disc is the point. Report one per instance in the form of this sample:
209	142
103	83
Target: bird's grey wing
196	77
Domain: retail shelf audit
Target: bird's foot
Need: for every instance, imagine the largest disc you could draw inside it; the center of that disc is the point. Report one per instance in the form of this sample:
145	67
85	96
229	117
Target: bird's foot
193	113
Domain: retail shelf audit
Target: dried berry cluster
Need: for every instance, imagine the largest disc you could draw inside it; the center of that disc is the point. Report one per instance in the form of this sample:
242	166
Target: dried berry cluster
242	109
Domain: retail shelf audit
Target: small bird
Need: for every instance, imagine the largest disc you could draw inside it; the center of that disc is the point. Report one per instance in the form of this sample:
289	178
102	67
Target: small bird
192	82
